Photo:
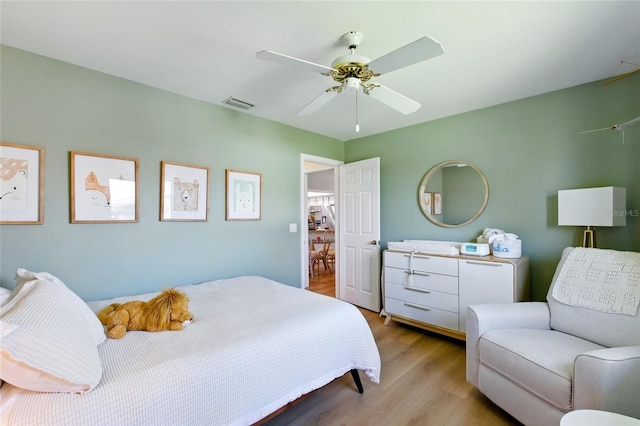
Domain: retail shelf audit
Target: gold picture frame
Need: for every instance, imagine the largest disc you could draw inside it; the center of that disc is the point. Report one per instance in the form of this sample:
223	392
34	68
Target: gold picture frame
21	184
437	203
184	192
427	202
104	188
243	194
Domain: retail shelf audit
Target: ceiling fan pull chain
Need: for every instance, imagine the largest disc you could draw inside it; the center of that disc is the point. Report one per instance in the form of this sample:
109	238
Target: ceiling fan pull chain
357	125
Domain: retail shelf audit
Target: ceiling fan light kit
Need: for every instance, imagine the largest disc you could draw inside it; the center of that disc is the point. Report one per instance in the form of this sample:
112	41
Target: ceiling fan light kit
353	72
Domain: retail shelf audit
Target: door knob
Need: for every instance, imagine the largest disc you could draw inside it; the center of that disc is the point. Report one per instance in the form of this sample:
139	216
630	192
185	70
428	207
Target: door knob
374	243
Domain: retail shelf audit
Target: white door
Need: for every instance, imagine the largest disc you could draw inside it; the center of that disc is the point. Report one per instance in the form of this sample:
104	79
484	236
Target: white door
359	233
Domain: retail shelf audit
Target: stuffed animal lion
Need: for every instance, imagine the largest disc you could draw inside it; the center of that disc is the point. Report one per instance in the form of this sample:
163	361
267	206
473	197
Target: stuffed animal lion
167	311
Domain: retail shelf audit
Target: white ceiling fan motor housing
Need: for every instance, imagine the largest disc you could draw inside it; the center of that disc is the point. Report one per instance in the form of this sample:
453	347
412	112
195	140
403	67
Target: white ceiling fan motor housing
352	39
351	83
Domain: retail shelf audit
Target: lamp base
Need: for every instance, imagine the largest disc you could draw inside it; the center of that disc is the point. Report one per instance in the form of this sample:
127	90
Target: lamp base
589	238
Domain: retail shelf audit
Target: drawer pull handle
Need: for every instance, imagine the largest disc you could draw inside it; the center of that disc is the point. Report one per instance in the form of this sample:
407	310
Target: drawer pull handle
418	256
411	305
471	262
424	274
419	290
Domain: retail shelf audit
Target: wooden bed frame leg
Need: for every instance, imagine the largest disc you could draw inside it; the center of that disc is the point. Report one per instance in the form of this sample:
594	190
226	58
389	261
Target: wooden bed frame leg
356	378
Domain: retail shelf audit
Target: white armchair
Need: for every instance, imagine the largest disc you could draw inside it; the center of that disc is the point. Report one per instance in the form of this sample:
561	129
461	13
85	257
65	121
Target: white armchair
580	350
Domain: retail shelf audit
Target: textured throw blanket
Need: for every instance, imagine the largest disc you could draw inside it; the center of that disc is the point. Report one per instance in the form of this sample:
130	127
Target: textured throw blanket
602	280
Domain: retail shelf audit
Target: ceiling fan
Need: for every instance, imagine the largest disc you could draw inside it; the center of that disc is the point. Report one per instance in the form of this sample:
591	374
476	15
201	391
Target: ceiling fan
625	75
354	72
615	127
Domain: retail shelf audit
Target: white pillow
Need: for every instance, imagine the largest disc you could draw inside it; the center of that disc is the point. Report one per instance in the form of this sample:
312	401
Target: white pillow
49	338
83	310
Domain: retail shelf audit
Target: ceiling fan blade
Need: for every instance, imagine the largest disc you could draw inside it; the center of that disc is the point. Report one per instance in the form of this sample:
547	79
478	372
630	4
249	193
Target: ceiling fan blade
290	61
420	50
620	77
596	130
393	99
319	101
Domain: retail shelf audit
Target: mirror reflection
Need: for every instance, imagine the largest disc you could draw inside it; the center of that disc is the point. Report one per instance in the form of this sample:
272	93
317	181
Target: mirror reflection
453	193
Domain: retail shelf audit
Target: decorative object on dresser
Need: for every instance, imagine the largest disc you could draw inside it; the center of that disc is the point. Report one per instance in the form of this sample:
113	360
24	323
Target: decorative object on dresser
502	243
589	207
579	350
432	291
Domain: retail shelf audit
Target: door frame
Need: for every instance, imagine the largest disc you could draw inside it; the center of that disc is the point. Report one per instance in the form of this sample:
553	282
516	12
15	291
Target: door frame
304	212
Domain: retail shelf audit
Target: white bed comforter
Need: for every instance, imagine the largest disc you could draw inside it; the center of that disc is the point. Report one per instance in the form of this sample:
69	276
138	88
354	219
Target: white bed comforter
254	346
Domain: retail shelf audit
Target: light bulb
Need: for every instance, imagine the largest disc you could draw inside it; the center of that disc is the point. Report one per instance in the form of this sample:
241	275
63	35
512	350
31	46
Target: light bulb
357	128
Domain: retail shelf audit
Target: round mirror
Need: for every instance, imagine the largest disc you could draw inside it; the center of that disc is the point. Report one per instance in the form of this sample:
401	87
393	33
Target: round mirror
453	193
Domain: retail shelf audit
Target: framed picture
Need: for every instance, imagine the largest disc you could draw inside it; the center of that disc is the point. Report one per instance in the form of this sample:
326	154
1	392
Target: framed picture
21	184
427	202
243	195
104	188
184	192
437	203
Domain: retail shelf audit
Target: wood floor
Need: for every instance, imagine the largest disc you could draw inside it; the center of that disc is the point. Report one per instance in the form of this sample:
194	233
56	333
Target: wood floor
422	383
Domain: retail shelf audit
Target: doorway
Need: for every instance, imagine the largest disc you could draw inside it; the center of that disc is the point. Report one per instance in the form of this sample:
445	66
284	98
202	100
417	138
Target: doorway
357	229
319	221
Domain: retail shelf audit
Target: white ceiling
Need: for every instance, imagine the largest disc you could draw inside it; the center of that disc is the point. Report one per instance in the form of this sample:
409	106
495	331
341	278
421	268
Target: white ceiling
495	52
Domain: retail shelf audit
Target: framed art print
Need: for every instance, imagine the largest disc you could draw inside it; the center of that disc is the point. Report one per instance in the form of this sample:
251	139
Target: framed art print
21	184
437	203
243	195
427	202
184	193
104	188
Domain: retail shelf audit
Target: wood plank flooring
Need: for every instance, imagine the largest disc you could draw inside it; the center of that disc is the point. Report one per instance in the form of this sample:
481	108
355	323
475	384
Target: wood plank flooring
422	383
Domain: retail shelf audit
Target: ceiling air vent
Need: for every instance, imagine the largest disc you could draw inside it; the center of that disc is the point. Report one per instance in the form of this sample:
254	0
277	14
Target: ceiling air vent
238	103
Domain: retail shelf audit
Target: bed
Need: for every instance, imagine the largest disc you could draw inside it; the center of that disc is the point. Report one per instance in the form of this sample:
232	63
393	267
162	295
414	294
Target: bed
254	346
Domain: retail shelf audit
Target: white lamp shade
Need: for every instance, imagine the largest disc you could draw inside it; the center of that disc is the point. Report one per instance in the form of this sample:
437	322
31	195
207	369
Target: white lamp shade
604	206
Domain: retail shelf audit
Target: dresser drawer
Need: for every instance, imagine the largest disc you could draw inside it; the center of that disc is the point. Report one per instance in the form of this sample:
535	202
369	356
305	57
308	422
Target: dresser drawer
422	280
425	314
430	298
421	262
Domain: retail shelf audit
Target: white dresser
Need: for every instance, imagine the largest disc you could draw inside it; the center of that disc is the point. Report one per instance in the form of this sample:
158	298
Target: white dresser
433	291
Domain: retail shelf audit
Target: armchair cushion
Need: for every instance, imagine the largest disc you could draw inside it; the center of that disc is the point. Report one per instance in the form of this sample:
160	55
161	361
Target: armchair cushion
541	361
490	316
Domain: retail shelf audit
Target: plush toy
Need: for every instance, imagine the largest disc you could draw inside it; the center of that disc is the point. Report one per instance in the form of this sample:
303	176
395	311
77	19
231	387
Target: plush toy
167	311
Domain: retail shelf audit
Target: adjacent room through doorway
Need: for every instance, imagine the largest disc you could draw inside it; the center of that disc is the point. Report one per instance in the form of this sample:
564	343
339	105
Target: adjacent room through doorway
320	209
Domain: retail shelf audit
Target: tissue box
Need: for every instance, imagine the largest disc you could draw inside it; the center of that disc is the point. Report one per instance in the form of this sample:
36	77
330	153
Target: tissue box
510	249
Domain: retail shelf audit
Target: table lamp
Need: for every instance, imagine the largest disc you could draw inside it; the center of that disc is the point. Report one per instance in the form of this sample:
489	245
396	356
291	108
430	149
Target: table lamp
591	207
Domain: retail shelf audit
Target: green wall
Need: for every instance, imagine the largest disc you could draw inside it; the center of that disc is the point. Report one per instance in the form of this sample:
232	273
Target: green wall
528	150
66	108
